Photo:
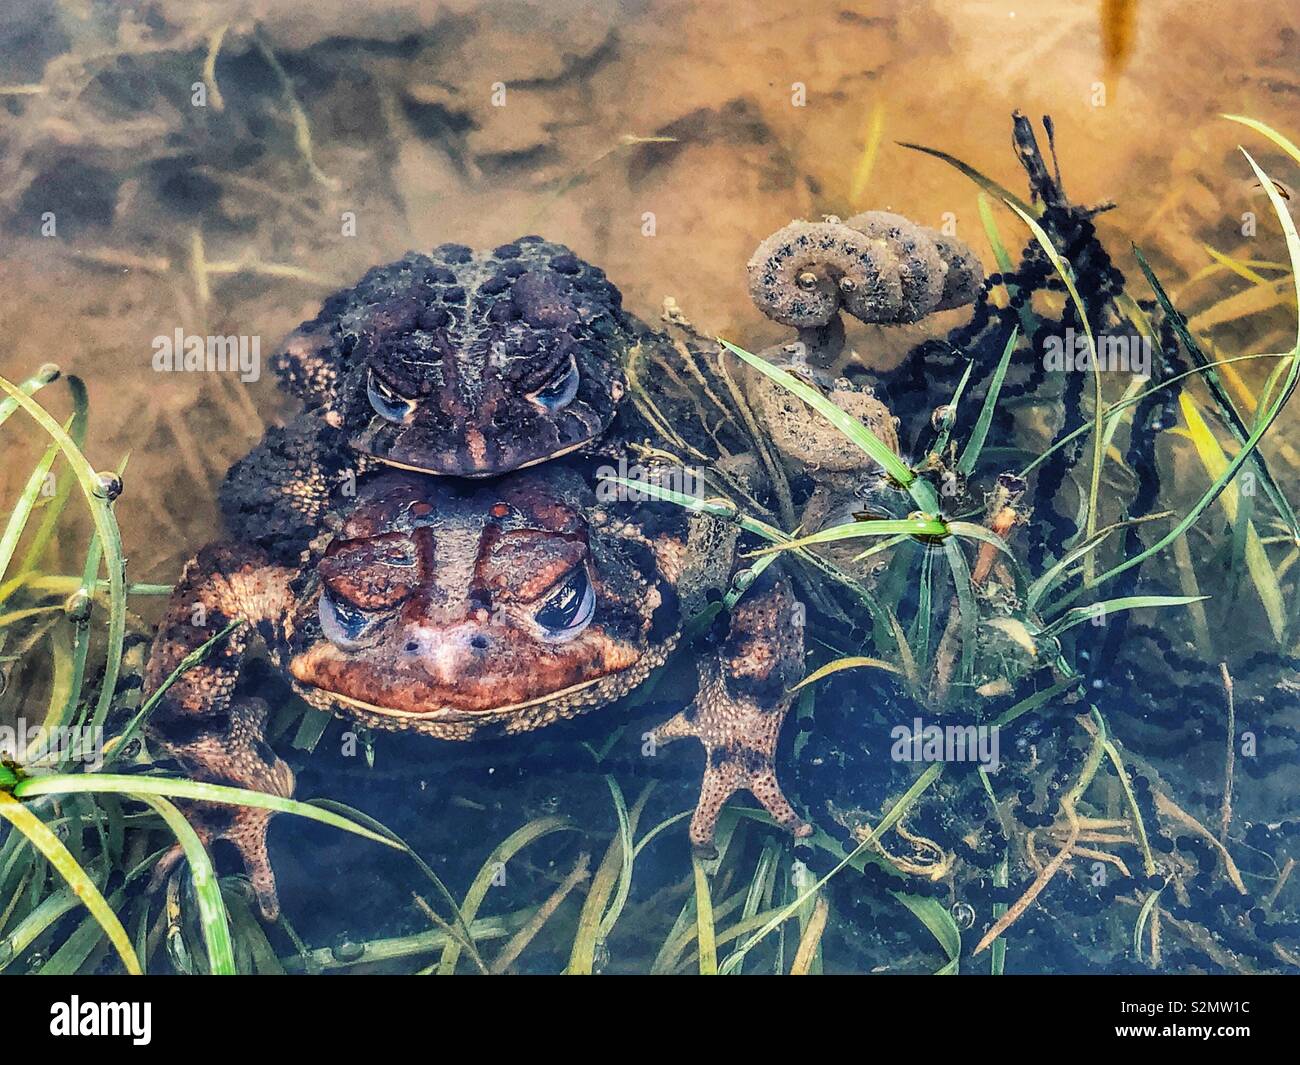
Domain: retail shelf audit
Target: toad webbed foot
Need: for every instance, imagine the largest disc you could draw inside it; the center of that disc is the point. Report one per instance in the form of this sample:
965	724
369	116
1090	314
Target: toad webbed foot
231	750
737	714
198	722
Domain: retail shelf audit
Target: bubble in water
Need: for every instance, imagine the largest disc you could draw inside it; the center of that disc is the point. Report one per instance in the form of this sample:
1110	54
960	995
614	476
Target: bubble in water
347	950
77	605
108	485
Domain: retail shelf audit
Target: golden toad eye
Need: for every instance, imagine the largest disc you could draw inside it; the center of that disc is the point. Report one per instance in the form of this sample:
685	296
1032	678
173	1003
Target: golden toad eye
343	624
560	390
570	608
387	403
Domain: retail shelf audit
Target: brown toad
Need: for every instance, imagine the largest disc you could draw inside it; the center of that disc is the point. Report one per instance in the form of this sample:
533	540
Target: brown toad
475	366
461	609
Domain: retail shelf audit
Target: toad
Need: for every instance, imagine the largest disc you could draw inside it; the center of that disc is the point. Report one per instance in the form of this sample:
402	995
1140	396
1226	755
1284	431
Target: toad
458	610
402	583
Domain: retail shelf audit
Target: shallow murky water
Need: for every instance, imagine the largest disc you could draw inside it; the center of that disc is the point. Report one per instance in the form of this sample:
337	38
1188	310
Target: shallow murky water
221	168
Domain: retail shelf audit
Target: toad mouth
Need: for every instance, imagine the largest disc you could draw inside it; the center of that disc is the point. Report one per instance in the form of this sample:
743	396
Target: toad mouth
483	473
456	713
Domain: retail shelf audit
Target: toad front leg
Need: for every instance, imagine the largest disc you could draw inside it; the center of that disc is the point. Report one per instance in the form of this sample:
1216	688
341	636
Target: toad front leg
199	722
743	699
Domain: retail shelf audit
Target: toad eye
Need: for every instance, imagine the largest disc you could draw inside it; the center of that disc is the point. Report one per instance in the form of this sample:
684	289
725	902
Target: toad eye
559	391
570	608
388	404
343	624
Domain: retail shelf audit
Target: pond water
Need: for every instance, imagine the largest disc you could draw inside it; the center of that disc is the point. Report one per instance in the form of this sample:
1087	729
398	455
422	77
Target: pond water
170	170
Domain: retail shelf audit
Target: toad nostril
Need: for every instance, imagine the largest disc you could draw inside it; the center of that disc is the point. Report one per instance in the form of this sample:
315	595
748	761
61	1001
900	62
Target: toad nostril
412	647
479	643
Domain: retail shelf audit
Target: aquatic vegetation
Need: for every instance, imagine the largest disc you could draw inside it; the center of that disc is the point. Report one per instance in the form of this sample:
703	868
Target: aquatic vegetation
1041	622
980	616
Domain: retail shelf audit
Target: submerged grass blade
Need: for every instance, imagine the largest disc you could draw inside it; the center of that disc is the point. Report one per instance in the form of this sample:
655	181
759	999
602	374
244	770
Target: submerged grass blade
1079	614
42	377
1099	410
213	919
966	610
892	818
863	437
488	874
122	740
1256	558
938	921
1054	574
1264	423
63	491
807	955
867	160
1232	419
106	528
139	786
624	887
852	662
1285	143
704	931
970	455
986	183
22	511
855	529
58	855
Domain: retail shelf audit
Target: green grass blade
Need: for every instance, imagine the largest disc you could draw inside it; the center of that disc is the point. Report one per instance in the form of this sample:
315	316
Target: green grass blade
213	919
1143	917
896	812
705	933
986	183
727	511
45	841
105	526
969	617
1032	702
1053	575
50	518
50	909
81	645
850	662
1000	254
22	511
120	742
971	453
1236	505
1263	425
1115	410
42	377
1079	614
461	929
953	405
624	887
858	433
938	921
1231	418
1099	412
854	529
969	530
500	856
139	786
1277	138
